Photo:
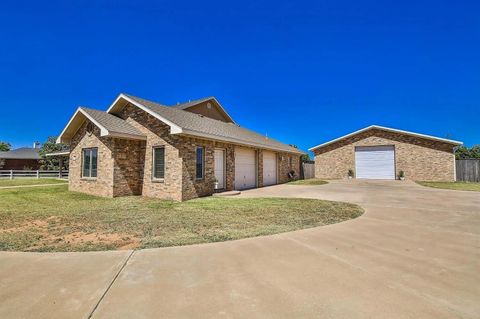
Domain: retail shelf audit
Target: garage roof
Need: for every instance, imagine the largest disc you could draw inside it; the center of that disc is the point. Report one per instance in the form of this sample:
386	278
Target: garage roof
388	129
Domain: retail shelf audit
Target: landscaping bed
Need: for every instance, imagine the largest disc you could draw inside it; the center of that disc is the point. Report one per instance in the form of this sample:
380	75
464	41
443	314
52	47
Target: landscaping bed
461	186
51	218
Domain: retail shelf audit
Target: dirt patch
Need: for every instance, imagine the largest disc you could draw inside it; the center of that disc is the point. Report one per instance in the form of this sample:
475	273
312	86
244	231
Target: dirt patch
121	241
51	233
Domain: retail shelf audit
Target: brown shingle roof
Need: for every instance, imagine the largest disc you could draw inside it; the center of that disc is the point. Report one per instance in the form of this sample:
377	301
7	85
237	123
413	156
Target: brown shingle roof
112	123
198	125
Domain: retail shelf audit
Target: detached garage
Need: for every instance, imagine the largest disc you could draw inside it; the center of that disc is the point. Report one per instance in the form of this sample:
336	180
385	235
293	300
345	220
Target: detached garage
378	152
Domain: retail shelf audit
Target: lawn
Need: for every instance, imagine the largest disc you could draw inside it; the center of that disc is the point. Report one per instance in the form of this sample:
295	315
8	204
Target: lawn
29	181
52	219
461	186
312	181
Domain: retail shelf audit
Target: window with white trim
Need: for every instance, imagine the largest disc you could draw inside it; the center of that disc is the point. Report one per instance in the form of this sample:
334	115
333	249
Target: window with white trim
158	171
200	159
89	162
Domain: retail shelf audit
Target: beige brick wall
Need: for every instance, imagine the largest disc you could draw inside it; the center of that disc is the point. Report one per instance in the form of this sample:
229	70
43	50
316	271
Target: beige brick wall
88	136
129	158
420	159
158	134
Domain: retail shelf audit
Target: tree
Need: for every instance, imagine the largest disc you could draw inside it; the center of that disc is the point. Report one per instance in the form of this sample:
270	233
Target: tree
52	162
4	146
305	157
464	152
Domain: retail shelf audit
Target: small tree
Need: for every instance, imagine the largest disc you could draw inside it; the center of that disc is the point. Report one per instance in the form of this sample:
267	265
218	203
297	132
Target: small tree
52	162
5	146
304	157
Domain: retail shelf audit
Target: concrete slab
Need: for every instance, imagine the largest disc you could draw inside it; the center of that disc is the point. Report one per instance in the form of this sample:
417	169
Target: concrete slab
413	254
55	285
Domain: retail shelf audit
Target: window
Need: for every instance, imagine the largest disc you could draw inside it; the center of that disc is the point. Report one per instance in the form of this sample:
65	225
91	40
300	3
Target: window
158	162
290	161
90	162
200	160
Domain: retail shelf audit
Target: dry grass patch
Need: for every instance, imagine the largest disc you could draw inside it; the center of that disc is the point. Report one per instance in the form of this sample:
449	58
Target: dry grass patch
53	219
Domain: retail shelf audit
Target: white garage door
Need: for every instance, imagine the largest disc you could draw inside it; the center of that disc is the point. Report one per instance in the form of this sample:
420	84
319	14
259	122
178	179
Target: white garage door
375	162
245	168
269	168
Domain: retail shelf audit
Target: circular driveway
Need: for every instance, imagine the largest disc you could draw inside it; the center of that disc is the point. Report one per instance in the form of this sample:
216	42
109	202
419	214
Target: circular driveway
415	253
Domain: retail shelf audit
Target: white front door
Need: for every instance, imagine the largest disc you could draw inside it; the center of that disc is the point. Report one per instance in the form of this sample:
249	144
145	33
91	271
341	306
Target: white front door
269	168
220	168
245	168
375	162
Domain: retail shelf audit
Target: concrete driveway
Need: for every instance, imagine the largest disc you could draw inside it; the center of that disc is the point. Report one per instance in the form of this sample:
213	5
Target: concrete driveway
415	253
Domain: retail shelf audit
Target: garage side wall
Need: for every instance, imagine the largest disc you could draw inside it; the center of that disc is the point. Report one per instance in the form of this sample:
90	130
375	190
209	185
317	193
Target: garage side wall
420	159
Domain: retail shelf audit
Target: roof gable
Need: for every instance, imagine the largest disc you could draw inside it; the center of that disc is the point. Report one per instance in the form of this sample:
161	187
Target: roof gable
209	107
108	124
387	129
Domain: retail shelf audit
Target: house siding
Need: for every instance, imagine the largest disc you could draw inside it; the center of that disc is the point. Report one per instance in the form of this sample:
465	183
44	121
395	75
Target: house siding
419	158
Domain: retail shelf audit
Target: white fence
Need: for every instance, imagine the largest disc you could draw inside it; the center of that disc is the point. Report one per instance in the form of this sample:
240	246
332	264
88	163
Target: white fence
13	174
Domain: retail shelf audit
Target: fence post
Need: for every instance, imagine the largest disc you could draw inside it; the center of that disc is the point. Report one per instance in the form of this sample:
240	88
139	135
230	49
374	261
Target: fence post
11	174
38	174
60	164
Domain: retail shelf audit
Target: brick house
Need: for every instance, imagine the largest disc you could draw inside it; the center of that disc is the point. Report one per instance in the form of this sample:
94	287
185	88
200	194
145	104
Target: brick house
23	158
378	152
180	152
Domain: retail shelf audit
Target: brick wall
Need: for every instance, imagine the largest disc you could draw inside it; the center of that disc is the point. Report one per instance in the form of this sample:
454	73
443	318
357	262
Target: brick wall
284	167
420	159
129	158
88	136
158	134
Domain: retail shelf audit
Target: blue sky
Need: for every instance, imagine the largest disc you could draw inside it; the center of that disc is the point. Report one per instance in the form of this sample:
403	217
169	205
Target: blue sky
301	72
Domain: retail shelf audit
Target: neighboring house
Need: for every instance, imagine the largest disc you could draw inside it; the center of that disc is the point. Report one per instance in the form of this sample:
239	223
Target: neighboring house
21	158
139	147
378	152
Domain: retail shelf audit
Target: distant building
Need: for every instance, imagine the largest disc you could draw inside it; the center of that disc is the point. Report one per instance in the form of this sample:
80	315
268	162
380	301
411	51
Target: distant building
21	158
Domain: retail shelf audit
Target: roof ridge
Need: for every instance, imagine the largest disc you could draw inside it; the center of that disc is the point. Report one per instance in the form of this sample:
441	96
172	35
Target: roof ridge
193	102
208	119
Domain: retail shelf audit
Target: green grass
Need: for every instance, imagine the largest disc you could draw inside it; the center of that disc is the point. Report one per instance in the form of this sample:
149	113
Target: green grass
52	219
29	181
461	186
312	181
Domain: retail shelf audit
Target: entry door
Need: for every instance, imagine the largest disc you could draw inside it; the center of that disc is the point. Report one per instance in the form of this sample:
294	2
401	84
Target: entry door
269	168
245	168
375	162
220	168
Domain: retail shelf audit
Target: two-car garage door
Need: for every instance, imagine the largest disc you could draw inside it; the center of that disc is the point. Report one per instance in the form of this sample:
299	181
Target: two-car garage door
246	168
375	162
